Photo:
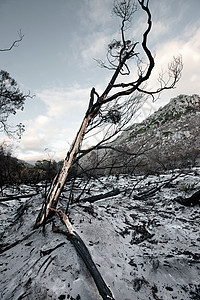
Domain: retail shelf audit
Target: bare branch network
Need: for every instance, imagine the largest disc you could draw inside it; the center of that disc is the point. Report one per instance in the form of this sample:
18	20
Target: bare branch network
111	112
117	105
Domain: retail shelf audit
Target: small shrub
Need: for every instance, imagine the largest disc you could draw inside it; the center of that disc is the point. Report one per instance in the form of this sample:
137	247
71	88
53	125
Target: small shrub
188	188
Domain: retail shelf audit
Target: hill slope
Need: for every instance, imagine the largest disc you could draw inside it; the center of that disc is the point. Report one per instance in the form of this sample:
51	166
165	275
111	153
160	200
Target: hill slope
172	132
168	139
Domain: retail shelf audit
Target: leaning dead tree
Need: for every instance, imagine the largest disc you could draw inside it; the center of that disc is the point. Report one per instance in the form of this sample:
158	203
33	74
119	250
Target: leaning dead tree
113	109
120	97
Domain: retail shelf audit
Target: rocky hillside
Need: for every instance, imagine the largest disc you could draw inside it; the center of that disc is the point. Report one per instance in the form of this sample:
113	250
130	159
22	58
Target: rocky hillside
177	120
172	133
168	139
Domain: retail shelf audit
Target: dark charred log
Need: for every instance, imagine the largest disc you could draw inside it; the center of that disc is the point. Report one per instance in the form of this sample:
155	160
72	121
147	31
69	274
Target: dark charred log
190	201
17	197
101	196
82	250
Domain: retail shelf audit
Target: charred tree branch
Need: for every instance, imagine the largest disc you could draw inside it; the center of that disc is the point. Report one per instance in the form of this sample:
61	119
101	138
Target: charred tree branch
18	197
82	250
92	199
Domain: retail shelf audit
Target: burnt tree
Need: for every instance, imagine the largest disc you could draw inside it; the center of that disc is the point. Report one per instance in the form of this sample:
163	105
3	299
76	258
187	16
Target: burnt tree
117	95
114	108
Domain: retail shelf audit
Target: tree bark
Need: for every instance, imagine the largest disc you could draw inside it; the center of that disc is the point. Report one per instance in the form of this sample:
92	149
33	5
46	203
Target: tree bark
59	180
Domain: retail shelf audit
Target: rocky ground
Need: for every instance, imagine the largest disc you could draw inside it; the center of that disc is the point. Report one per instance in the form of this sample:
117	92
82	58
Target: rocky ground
144	247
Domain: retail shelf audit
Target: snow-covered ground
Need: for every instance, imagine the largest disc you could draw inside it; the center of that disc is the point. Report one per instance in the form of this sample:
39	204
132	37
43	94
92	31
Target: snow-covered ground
144	249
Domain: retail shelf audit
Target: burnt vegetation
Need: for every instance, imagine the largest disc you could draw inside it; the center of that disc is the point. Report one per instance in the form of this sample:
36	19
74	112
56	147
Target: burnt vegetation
71	182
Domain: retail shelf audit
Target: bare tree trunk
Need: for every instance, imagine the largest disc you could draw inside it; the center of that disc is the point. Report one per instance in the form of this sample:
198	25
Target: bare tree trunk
59	181
119	53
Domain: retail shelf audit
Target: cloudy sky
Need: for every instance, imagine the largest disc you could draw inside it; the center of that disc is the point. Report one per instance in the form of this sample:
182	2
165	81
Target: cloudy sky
56	61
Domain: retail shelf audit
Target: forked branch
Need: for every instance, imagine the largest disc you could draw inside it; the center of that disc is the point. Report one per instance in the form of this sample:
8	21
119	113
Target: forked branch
15	43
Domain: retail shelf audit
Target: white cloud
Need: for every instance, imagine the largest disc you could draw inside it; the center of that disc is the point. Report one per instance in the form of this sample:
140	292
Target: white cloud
188	46
97	13
41	121
34	143
45	141
54	130
94	46
63	102
159	29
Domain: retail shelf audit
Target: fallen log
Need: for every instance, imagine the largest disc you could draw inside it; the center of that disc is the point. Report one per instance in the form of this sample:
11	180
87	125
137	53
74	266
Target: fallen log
92	199
84	253
17	197
190	201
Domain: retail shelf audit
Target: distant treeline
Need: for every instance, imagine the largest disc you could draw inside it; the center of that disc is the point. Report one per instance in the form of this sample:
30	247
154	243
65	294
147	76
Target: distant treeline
14	171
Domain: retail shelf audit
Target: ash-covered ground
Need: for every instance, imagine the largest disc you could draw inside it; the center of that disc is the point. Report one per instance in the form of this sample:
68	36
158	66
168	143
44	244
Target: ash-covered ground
146	248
